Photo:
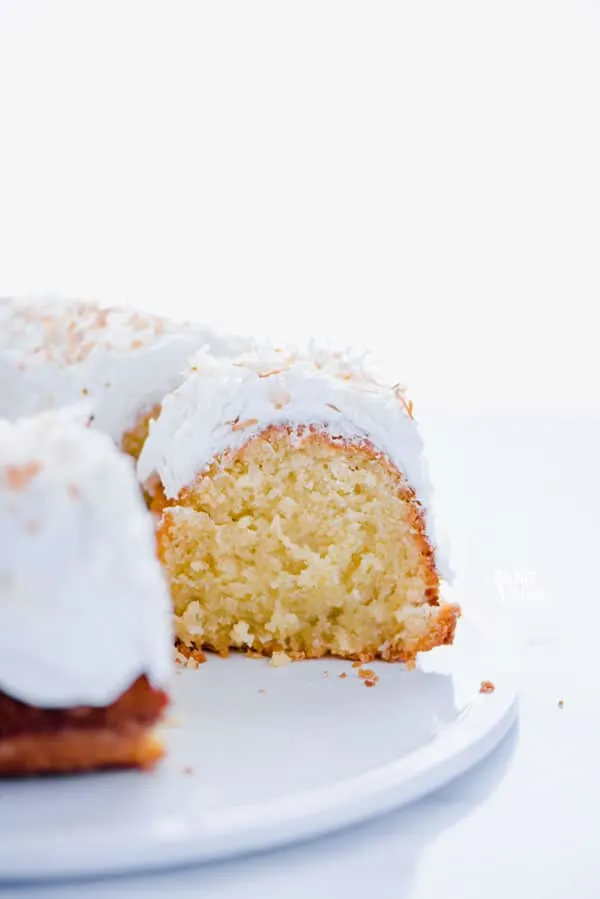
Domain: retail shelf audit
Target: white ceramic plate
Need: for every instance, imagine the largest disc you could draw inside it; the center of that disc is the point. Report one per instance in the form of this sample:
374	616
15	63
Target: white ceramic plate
262	756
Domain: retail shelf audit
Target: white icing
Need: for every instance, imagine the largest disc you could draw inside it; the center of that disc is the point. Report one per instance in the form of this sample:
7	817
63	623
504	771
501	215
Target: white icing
84	608
224	402
53	352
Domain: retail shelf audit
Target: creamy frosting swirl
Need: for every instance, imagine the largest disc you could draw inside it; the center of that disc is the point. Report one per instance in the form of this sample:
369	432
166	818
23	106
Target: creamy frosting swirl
53	352
84	608
224	402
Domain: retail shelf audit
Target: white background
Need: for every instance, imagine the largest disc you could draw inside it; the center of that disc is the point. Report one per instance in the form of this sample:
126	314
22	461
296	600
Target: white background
422	177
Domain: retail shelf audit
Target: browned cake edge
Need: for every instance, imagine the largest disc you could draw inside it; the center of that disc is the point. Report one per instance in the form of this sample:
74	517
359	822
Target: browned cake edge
52	741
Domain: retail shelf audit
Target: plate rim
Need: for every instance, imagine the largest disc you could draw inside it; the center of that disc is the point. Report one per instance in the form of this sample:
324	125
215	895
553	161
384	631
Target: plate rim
295	817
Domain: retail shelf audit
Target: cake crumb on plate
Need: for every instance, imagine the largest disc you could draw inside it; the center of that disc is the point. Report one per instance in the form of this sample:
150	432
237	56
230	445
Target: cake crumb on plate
189	658
278	659
487	686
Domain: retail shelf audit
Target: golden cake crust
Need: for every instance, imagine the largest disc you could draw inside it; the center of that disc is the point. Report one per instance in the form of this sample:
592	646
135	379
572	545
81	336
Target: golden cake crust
43	741
69	751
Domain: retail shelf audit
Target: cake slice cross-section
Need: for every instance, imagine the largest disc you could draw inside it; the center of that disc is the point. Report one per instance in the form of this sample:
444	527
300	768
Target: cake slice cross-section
86	642
293	509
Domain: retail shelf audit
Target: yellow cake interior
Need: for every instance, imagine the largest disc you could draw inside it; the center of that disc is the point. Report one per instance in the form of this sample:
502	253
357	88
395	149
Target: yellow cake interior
133	440
302	543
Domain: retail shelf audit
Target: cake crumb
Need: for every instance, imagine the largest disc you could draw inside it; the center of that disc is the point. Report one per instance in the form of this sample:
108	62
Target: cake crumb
366	673
357	663
561	703
487	686
188	657
369	683
326	674
278	659
342	675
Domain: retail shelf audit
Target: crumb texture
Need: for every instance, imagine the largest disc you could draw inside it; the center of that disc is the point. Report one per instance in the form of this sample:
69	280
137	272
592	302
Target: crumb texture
303	544
133	439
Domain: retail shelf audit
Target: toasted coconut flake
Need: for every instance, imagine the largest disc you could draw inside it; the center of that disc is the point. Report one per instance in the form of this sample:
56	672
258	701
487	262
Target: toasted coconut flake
242	425
399	392
268	374
19	476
